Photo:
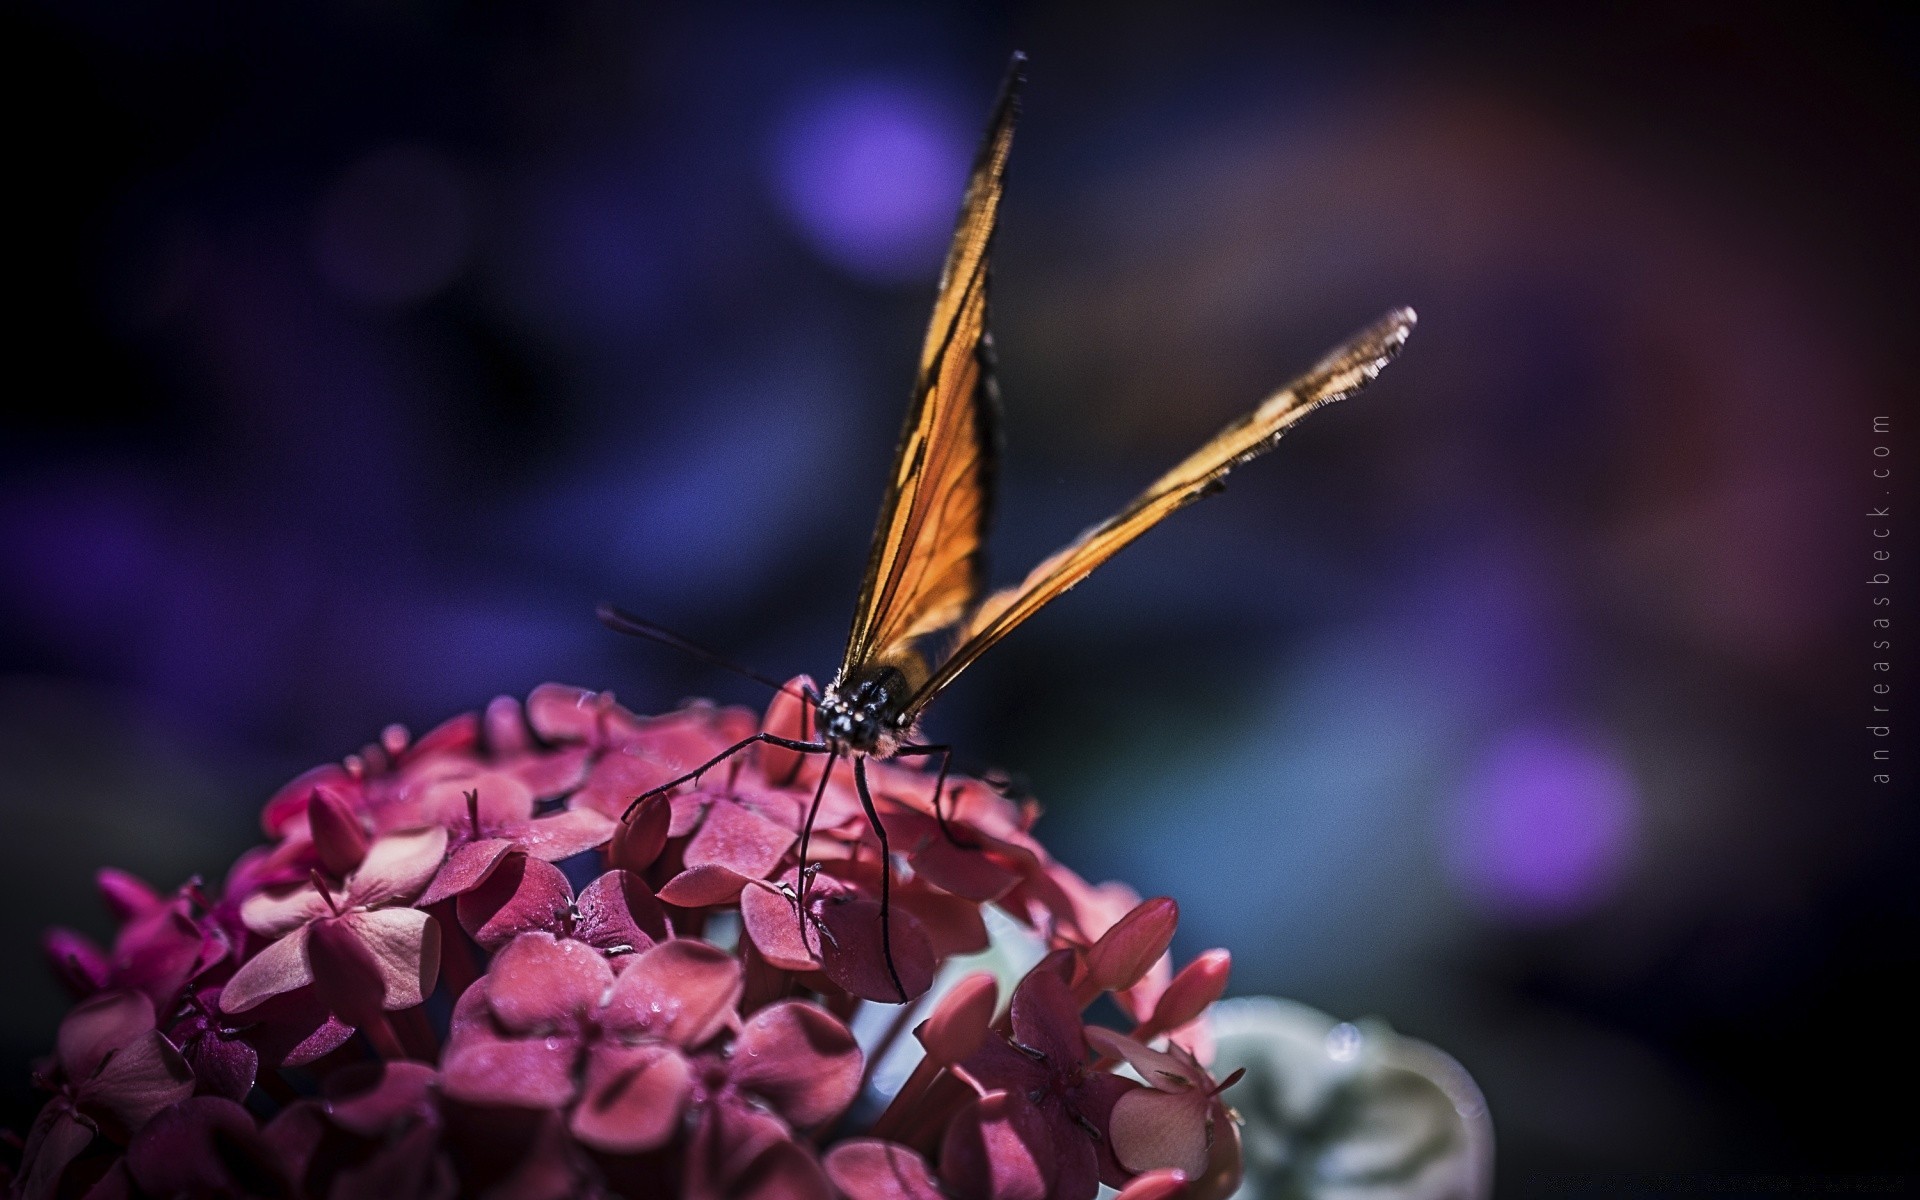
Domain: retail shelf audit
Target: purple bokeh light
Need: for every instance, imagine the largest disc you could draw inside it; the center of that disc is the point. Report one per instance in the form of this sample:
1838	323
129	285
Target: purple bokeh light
1543	827
394	229
871	173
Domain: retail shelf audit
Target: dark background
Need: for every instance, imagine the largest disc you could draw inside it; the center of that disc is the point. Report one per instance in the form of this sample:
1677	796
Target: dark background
358	349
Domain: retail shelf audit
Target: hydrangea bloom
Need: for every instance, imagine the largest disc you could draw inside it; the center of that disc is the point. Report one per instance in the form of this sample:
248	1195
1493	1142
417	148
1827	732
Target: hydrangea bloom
455	970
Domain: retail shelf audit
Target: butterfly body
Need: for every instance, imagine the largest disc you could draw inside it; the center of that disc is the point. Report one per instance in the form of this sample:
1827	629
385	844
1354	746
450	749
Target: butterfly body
866	712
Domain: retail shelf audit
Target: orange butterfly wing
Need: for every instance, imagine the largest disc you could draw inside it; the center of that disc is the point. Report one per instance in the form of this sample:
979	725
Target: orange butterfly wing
925	569
1340	374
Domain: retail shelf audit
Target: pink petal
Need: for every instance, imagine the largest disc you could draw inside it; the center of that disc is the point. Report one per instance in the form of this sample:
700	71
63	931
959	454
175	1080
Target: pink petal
521	895
783	1171
771	919
560	713
281	967
397	867
1046	1019
739	839
723	1160
374	1099
540	984
1092	1104
1199	983
141	1078
97	1028
404	944
870	1169
703	886
960	1021
465	869
275	912
969	872
618	777
953	924
1125	953
503	1072
618	914
853	954
1163	1184
1153	1129
681	991
1162	1071
289	804
562	834
632	1098
998	1148
642	835
337	836
798	1059
789	716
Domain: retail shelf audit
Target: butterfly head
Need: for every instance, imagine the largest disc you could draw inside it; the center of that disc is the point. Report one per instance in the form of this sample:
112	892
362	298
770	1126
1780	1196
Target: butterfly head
862	714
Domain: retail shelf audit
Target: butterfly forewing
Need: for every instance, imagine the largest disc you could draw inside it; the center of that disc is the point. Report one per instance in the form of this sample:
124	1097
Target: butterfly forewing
924	570
1341	373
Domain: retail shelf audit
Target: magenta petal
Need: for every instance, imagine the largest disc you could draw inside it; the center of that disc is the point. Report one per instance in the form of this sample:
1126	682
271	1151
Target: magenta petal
98	1027
632	1098
522	895
141	1078
158	954
281	967
223	1063
56	1139
870	1169
126	894
771	919
465	869
337	836
373	1099
702	886
295	1028
541	984
410	1165
782	1171
1125	953
681	991
800	1060
739	839
404	946
206	1147
998	1148
853	953
80	965
524	1073
1093	1103
617	913
563	834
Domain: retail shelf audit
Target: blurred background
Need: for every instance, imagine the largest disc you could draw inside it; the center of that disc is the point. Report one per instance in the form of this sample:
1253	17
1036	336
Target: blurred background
361	348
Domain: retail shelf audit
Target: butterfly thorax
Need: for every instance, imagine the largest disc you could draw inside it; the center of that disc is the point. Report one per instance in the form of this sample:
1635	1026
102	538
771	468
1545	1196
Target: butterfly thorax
865	712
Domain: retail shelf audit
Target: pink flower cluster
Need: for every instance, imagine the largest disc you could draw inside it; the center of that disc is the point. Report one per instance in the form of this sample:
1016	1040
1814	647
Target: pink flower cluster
456	970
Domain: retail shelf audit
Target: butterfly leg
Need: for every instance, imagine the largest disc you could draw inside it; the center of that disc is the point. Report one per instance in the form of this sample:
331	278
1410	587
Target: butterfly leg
886	874
805	877
939	790
724	755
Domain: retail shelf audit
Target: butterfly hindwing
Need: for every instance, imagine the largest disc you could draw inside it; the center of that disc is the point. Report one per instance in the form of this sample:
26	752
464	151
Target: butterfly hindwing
924	572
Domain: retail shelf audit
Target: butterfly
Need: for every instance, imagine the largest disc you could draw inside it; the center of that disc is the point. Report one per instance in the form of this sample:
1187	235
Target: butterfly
924	615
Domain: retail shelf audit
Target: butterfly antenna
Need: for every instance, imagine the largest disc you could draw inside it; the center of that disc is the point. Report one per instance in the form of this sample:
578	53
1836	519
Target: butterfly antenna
621	621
